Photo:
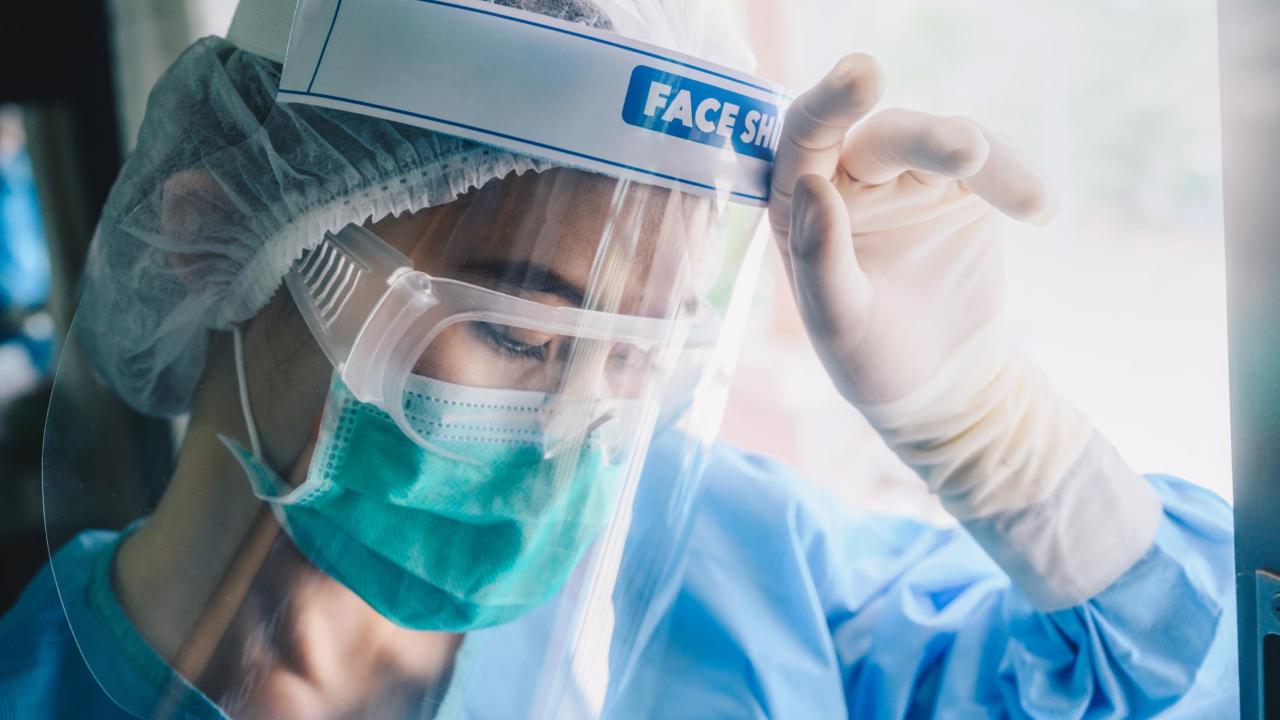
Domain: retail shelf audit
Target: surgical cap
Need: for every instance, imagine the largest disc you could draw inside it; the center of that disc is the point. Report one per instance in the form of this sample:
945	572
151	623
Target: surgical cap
227	188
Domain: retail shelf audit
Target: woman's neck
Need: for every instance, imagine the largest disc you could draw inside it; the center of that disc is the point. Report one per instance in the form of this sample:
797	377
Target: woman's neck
166	572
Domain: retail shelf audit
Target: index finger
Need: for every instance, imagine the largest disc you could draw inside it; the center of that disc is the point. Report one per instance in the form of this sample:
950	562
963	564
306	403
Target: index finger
815	127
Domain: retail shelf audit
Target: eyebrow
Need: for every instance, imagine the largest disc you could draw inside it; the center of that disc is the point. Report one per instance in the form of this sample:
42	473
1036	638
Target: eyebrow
520	275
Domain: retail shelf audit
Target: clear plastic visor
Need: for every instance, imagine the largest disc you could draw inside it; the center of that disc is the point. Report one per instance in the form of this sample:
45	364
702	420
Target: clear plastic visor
581	316
531	338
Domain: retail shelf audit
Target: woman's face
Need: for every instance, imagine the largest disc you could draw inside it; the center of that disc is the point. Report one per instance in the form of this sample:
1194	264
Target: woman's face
561	238
537	236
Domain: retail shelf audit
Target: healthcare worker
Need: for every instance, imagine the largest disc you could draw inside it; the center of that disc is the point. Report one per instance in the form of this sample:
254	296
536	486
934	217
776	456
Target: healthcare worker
449	299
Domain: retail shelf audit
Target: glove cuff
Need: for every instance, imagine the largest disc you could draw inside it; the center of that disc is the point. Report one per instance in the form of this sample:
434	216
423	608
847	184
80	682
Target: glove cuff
987	433
1021	467
1069	547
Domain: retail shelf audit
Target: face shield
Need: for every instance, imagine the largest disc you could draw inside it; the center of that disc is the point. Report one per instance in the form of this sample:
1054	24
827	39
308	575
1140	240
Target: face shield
465	434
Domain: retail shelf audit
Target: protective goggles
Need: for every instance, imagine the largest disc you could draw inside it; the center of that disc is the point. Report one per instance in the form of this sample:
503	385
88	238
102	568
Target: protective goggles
380	322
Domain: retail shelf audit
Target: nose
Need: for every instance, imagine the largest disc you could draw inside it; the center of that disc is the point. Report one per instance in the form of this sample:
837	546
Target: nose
582	402
593	368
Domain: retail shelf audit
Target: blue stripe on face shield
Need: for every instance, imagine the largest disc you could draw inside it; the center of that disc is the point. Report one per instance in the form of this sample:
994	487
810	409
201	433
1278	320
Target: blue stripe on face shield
685	108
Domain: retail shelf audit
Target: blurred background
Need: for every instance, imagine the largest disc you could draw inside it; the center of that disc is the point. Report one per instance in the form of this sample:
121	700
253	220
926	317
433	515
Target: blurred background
1121	298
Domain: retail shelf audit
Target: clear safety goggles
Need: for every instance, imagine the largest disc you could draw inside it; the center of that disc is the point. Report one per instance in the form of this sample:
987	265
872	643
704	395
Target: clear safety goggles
380	322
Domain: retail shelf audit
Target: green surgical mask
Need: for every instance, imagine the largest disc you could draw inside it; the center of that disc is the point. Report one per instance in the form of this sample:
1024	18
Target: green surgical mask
472	532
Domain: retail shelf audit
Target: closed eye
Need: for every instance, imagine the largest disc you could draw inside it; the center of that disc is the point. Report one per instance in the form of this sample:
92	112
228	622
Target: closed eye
504	343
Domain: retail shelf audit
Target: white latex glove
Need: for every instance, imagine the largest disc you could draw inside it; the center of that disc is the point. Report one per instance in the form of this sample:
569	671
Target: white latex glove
890	230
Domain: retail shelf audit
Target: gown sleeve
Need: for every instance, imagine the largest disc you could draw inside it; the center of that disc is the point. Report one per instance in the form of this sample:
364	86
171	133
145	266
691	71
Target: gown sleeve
792	605
925	624
43	673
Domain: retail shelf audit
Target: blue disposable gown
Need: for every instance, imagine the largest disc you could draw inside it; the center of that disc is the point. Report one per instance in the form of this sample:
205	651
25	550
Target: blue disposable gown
787	605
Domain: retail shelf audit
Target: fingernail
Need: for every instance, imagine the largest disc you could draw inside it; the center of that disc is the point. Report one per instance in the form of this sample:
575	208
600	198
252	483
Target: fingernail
859	74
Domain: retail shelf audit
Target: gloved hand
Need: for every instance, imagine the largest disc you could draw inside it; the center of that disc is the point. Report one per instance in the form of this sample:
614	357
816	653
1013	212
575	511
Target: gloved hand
889	228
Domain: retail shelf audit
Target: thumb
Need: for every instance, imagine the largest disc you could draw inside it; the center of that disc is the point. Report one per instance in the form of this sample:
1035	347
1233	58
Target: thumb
832	292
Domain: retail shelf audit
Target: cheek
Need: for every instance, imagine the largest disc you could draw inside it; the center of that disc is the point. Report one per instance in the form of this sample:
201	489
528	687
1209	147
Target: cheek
298	472
289	382
446	357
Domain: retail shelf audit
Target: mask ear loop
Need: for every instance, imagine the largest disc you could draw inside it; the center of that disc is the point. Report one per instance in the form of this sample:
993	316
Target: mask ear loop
237	334
267	485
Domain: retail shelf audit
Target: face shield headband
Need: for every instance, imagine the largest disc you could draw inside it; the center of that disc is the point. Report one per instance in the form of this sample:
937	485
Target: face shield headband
593	100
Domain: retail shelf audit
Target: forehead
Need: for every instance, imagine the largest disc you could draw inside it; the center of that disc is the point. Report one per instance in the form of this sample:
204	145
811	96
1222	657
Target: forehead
588	229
